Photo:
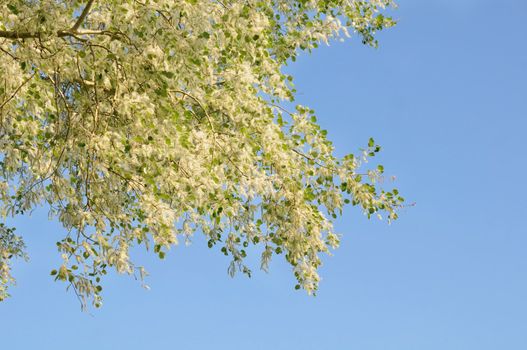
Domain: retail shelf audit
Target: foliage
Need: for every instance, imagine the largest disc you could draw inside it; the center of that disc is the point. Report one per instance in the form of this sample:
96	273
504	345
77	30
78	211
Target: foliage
11	246
139	122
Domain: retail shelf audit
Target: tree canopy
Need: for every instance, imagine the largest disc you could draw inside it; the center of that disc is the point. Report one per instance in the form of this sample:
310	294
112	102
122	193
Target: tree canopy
140	122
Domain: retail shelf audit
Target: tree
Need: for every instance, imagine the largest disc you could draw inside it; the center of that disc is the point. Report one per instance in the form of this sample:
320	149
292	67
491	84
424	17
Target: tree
139	122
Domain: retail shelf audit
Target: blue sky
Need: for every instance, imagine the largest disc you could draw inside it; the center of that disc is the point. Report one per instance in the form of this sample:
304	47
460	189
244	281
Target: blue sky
445	95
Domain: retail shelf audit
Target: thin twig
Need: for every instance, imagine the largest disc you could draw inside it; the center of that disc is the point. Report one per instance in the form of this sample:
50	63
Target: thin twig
17	90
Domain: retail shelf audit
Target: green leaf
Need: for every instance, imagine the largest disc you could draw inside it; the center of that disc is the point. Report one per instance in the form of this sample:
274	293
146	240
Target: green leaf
168	74
13	8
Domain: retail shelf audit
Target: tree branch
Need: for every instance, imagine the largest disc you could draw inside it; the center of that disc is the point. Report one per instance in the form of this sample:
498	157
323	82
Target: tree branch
61	33
82	16
18	35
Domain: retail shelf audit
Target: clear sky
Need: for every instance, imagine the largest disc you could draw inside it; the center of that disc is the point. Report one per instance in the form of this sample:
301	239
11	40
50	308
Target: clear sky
445	95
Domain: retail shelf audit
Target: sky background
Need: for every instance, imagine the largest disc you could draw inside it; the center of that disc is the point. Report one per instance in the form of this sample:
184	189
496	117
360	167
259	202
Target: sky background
445	95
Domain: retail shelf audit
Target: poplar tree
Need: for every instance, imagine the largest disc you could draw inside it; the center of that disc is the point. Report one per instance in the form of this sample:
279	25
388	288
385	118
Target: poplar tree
141	122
